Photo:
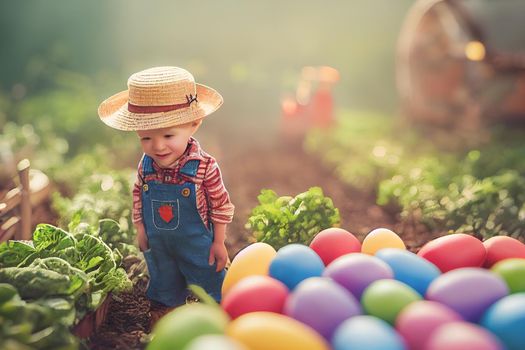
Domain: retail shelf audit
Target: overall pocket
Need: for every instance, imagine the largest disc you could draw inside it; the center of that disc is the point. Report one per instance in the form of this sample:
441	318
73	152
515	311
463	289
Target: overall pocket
165	214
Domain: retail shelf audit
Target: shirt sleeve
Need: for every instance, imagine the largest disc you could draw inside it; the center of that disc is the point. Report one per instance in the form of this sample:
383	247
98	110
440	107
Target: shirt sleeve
137	196
220	207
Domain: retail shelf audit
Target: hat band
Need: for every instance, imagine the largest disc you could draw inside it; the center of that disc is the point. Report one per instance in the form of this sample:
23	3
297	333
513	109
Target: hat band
157	109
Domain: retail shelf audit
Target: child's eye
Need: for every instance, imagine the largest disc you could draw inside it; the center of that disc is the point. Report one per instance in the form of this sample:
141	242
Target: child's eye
145	138
168	136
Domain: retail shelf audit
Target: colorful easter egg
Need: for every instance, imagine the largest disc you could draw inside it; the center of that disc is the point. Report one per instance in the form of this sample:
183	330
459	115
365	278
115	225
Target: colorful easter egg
366	332
462	336
386	298
334	242
454	251
267	330
215	342
381	238
506	319
253	260
356	271
469	291
513	273
409	268
321	304
255	293
416	322
177	328
294	263
502	247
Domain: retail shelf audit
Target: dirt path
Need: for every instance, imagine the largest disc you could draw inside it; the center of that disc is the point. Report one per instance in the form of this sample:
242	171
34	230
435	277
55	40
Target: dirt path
288	171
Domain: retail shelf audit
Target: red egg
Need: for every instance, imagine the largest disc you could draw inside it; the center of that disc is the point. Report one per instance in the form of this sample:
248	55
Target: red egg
454	251
502	247
255	293
334	242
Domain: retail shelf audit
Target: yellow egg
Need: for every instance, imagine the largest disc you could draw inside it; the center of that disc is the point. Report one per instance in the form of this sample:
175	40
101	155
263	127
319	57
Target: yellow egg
381	238
253	260
267	330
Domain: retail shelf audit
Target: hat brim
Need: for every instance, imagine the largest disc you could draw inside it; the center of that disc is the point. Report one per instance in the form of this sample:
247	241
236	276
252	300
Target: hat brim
114	111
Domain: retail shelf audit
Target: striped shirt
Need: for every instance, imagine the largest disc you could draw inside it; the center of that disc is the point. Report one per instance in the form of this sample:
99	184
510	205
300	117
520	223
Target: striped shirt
213	201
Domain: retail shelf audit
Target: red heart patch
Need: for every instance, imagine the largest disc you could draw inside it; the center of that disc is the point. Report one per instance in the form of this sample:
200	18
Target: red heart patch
166	212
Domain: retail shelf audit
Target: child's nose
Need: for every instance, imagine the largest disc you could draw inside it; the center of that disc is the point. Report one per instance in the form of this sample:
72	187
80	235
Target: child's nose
158	145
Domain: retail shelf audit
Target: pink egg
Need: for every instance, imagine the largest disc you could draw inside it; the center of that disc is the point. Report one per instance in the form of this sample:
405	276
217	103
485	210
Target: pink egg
334	242
419	320
255	293
502	247
454	251
462	336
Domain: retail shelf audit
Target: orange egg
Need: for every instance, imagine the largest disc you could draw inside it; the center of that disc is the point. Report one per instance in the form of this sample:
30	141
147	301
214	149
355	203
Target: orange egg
253	260
381	238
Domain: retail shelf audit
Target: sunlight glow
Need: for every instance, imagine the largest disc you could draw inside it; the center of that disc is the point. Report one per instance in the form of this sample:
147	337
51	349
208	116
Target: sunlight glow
379	151
475	51
107	183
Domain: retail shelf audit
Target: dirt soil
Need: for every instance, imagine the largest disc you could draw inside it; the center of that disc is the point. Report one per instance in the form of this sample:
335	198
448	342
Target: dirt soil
246	170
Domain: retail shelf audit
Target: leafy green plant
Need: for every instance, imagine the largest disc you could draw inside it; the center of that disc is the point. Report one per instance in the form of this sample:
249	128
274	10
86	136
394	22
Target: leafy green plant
469	190
79	265
445	195
41	324
98	196
492	206
279	221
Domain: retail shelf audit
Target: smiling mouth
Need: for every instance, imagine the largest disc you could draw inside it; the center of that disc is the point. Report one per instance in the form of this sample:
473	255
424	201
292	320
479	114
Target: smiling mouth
162	155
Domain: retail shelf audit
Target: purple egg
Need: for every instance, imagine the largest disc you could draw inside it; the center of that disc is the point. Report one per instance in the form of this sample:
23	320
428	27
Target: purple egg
469	291
356	271
461	336
321	304
416	322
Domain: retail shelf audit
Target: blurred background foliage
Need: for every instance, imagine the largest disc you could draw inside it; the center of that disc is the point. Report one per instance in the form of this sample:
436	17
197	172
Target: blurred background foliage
60	59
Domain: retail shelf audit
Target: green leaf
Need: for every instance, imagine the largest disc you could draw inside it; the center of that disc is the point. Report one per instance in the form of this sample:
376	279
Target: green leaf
202	295
13	253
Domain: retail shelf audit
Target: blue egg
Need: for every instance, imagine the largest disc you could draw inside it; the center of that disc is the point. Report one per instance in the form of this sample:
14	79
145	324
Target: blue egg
506	319
294	263
366	332
409	268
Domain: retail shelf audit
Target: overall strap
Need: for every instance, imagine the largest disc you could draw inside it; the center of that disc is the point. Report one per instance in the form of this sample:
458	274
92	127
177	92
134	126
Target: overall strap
190	168
147	165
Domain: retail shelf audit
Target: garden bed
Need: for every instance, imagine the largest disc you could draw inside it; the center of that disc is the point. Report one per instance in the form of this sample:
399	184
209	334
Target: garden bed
268	166
90	323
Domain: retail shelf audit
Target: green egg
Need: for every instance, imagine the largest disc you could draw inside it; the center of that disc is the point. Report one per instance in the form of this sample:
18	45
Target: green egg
386	298
513	272
179	327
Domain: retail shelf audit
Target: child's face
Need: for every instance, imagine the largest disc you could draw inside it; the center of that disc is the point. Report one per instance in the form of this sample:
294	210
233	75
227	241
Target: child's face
166	145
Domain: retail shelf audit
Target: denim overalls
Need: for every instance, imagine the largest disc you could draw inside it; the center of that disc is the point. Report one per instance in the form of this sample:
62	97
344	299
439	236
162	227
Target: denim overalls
179	241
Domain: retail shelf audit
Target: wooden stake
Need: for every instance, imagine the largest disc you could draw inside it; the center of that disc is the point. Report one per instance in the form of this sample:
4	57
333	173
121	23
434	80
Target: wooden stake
25	203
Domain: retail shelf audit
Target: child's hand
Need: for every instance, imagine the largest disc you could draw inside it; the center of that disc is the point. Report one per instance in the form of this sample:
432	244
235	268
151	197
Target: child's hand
218	254
142	239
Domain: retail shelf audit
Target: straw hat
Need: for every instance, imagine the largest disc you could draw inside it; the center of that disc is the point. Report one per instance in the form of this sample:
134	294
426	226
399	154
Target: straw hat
157	98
